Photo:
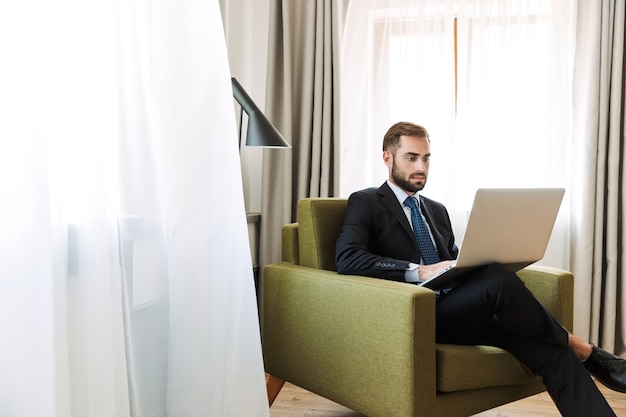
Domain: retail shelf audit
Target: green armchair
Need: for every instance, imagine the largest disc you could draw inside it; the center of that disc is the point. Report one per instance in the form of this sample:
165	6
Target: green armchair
369	344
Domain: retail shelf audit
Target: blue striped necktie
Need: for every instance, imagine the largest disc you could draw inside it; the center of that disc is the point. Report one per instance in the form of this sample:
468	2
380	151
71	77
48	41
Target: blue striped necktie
424	241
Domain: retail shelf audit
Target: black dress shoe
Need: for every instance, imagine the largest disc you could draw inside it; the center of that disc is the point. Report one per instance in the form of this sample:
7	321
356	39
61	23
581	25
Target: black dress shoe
608	369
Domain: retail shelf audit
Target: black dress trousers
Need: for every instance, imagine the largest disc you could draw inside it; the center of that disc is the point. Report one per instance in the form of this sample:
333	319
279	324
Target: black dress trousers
492	306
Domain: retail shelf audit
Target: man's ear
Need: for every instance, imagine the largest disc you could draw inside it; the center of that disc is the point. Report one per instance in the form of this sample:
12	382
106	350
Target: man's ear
388	158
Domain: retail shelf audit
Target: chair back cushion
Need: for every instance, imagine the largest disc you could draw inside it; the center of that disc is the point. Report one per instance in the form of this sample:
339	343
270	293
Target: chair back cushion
319	223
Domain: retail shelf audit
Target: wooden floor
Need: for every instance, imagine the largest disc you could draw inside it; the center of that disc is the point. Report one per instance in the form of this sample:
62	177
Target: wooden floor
296	402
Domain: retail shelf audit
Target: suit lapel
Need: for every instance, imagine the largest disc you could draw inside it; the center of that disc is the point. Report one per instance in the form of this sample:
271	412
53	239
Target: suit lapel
389	200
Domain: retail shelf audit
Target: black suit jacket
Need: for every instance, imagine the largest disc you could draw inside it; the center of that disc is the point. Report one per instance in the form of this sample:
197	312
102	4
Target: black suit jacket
376	239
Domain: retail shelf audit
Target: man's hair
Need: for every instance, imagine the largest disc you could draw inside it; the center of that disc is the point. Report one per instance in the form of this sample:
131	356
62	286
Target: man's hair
391	141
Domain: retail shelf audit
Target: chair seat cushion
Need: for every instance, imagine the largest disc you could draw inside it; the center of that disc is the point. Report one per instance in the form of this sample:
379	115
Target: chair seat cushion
462	368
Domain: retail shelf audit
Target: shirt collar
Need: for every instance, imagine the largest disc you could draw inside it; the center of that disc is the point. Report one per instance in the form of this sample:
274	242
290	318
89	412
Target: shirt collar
400	194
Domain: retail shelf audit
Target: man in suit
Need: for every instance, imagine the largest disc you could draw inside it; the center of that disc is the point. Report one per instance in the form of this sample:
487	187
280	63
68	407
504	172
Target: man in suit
491	306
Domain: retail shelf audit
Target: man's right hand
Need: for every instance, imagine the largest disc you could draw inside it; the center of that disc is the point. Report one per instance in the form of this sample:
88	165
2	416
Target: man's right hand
426	272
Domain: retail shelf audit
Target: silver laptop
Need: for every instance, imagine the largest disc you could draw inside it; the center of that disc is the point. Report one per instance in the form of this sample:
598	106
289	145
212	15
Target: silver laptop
508	226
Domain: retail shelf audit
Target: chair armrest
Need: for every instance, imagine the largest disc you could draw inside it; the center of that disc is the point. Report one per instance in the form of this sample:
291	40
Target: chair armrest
366	343
554	288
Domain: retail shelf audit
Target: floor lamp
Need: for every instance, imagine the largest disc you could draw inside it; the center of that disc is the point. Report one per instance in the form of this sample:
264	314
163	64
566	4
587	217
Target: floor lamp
260	132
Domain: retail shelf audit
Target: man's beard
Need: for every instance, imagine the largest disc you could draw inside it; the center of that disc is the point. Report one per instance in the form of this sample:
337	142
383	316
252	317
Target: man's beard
405	184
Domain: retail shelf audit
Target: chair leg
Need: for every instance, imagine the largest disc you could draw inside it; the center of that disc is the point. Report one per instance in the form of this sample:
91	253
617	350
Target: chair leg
273	384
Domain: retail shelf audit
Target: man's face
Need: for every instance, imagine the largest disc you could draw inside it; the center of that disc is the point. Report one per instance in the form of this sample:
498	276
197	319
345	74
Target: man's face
408	168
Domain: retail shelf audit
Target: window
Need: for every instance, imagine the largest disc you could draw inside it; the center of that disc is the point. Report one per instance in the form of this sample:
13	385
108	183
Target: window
490	80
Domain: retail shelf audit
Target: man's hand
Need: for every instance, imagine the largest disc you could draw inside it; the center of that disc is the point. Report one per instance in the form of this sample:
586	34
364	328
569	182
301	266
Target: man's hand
428	271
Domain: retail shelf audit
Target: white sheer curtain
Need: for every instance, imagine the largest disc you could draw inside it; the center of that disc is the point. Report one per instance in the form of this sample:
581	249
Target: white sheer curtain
126	284
491	82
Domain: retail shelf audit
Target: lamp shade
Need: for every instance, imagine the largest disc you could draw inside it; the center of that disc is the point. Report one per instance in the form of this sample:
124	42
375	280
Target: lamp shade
261	132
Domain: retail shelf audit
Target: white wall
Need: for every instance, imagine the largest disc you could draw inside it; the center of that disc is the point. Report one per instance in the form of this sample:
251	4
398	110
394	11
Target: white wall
246	24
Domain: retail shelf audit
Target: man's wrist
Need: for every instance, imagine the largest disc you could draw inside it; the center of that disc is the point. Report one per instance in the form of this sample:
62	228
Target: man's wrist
412	273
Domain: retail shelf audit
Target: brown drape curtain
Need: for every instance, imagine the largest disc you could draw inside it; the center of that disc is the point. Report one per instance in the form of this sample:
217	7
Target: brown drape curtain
302	102
599	169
